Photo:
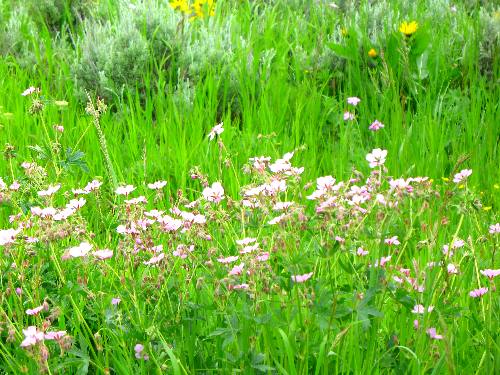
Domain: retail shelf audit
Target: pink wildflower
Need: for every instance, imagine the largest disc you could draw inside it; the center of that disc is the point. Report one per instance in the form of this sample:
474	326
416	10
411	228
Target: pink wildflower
54	335
30	90
80	250
376	125
302	278
76	204
8	236
36	310
494	228
489	273
263	257
239	287
138	349
420	309
227	260
392	241
157	185
478	292
155	259
216	130
51	190
15	186
462	175
103	254
59	128
376	157
124	190
433	335
237	270
340	240
277	219
31	336
452	269
246	241
116	301
348	116
215	193
361	252
353	100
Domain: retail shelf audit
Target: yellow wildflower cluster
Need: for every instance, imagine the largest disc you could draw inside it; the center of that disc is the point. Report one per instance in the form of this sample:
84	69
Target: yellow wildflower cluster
195	9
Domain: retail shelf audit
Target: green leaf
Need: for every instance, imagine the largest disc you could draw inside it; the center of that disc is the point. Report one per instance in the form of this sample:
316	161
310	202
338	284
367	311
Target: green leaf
74	159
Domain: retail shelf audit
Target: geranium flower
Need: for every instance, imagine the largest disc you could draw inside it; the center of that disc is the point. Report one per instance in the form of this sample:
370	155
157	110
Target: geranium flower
237	270
157	185
80	250
452	269
124	190
433	335
420	309
216	130
246	241
302	278
348	116
489	273
227	260
462	175
214	194
353	100
31	336
263	257
37	310
51	190
376	157
30	90
155	259
8	236
54	335
103	254
239	287
376	125
494	228
361	252
478	292
392	241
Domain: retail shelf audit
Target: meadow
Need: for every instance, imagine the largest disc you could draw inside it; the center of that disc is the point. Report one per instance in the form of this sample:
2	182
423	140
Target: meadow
252	186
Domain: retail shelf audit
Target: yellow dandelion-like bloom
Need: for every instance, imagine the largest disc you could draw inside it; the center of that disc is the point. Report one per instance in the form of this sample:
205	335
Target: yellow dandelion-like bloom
372	53
202	8
486	208
181	5
344	31
408	28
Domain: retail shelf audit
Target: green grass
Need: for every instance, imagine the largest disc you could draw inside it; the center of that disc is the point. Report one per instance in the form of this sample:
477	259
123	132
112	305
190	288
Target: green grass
282	87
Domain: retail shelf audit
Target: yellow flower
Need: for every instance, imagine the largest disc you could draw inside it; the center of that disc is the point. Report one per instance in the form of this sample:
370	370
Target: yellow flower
344	31
445	179
372	53
202	8
461	186
408	28
182	5
486	208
